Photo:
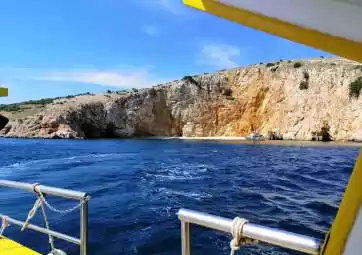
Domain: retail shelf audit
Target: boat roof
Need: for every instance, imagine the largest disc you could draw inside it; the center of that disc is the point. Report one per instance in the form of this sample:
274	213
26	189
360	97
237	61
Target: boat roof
329	25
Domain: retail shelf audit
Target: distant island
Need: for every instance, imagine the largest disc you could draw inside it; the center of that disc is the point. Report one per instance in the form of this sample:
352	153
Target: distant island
316	99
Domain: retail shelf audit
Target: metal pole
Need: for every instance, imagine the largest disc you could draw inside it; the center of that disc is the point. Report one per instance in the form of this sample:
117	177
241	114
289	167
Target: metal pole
185	238
81	196
45	231
205	220
76	195
283	238
278	237
84	227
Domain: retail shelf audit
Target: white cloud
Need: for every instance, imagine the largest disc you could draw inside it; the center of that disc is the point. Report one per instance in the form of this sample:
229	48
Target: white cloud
219	56
151	30
132	79
171	6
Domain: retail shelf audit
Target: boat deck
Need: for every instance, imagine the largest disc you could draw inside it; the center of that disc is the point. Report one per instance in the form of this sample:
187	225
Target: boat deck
9	247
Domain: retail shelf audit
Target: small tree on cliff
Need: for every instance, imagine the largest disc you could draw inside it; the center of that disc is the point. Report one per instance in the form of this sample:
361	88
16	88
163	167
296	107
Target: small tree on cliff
355	88
190	79
297	64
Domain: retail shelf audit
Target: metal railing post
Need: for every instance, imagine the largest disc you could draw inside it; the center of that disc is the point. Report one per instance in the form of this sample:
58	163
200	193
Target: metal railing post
84	227
44	231
82	197
185	238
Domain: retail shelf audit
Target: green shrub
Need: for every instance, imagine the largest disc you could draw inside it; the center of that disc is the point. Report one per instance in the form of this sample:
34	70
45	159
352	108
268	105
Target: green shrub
261	63
355	88
281	60
274	69
109	91
289	61
135	90
152	92
43	101
306	75
191	79
9	107
270	64
297	64
358	67
227	92
303	85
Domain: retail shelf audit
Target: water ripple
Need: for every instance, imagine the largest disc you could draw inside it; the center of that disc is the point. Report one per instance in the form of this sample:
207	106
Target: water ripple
137	186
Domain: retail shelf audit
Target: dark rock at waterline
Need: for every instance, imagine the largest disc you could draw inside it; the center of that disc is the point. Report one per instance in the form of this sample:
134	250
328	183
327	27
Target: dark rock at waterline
3	121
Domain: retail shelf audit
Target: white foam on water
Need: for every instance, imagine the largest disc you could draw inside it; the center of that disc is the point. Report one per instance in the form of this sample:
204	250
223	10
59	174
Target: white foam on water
50	161
181	172
7	170
324	182
194	195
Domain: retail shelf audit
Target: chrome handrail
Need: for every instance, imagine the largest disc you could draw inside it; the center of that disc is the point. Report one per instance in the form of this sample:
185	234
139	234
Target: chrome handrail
273	236
69	194
65	193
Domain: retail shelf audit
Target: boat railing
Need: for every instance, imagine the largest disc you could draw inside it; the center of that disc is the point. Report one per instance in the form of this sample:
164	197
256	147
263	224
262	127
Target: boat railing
296	242
68	194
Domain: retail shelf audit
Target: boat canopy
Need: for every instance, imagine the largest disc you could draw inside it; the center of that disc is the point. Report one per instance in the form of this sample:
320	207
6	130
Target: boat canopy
329	25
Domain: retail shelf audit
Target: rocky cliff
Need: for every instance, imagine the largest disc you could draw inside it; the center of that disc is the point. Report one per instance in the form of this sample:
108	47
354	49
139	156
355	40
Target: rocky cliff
294	98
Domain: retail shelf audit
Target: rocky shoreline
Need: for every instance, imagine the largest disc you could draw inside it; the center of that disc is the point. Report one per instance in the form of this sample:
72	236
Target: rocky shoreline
233	140
295	101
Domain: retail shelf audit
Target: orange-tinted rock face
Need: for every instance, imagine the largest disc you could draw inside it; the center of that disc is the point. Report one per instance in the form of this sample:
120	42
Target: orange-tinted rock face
228	103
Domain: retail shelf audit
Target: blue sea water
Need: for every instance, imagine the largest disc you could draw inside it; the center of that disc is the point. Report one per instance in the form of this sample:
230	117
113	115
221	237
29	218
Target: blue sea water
137	186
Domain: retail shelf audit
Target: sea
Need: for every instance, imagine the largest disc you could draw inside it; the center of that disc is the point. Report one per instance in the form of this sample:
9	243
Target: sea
137	186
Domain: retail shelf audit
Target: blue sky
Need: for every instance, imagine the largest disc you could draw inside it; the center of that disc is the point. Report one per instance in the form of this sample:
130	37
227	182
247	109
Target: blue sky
57	48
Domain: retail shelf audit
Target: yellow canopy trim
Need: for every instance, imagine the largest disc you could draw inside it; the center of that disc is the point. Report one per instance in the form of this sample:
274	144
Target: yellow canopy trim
333	44
3	92
348	211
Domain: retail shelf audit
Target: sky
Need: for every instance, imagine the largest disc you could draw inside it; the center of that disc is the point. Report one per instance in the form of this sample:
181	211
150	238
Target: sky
58	48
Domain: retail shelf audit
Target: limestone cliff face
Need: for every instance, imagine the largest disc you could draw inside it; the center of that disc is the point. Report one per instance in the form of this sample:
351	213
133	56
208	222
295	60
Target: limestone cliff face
227	103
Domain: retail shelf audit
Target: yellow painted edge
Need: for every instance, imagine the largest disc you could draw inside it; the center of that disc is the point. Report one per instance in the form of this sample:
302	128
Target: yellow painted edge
4	92
347	213
336	45
9	247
